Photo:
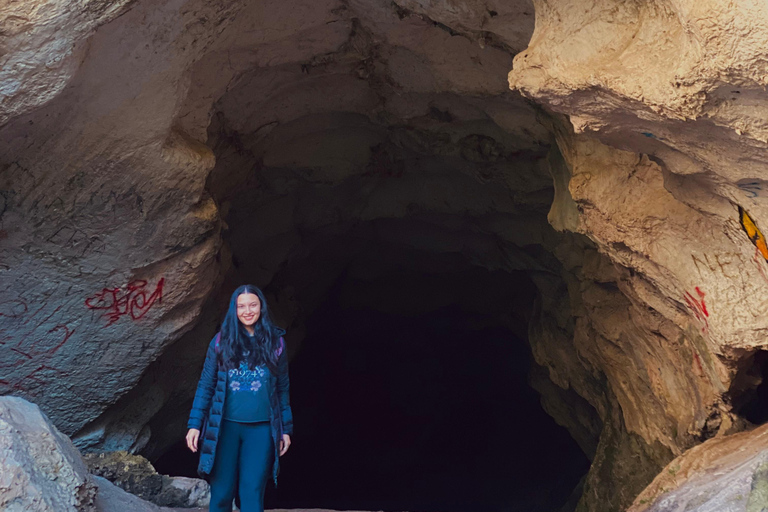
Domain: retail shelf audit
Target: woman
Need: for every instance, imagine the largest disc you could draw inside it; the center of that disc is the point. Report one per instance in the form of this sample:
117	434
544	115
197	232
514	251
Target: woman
241	405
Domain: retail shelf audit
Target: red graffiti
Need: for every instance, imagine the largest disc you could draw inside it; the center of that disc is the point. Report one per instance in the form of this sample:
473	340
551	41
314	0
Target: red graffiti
760	262
697	360
13	308
698	307
31	346
133	301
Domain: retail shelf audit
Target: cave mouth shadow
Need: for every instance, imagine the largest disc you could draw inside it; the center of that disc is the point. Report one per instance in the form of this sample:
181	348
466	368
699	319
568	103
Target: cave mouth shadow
425	412
749	388
430	412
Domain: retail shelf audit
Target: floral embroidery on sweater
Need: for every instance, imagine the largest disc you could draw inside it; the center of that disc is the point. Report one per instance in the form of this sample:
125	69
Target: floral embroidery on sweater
245	379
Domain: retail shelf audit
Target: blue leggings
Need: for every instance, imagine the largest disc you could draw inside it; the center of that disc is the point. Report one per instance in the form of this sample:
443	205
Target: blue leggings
244	454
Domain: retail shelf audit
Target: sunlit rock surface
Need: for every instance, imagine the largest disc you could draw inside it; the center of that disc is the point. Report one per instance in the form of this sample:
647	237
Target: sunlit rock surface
727	474
155	154
664	147
40	469
43	43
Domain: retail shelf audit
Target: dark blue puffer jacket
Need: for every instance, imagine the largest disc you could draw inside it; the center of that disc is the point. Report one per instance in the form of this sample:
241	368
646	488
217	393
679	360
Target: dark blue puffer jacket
208	406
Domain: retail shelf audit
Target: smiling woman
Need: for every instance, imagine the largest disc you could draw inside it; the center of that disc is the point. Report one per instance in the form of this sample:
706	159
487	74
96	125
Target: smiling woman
242	405
248	310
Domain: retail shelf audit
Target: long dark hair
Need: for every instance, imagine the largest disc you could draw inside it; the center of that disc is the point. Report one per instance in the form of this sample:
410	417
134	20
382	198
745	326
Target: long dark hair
263	348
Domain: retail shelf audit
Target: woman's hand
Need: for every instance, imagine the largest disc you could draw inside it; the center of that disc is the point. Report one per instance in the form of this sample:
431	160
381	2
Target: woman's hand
285	443
192	437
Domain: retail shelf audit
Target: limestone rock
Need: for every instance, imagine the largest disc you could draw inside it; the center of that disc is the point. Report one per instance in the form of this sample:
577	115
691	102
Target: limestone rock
111	498
40	469
184	492
132	473
728	474
43	42
488	22
135	474
83	281
663	149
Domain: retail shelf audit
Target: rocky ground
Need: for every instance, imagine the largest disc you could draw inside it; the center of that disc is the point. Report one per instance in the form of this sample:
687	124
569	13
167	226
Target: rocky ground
42	471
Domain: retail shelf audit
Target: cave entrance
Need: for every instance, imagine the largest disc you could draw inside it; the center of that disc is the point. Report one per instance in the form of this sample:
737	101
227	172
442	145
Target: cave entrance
427	411
399	231
410	391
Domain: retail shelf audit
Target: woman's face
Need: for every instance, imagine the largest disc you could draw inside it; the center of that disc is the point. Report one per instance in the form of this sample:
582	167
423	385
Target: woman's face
248	308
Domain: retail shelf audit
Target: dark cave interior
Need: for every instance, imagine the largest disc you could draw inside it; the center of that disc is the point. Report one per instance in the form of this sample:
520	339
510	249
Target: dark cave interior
429	411
749	391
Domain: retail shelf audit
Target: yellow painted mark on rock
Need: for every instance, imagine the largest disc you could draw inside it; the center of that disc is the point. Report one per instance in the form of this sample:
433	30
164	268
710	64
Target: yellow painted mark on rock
753	232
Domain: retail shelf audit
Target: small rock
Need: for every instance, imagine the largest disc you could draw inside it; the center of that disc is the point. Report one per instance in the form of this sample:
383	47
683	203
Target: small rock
181	491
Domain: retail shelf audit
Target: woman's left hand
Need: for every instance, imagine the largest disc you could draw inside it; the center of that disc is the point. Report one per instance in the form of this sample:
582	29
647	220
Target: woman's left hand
285	443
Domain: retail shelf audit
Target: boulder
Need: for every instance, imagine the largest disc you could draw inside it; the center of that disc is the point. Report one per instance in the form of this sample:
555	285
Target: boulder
132	473
40	468
180	491
111	498
724	474
136	475
42	471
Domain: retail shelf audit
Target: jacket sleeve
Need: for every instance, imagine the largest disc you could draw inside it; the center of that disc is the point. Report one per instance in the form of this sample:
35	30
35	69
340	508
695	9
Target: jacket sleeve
205	389
283	390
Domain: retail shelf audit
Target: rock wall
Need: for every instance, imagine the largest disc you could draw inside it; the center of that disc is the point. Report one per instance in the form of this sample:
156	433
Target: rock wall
108	235
662	147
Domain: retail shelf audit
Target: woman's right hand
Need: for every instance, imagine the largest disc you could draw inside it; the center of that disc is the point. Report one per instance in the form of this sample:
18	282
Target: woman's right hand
192	437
